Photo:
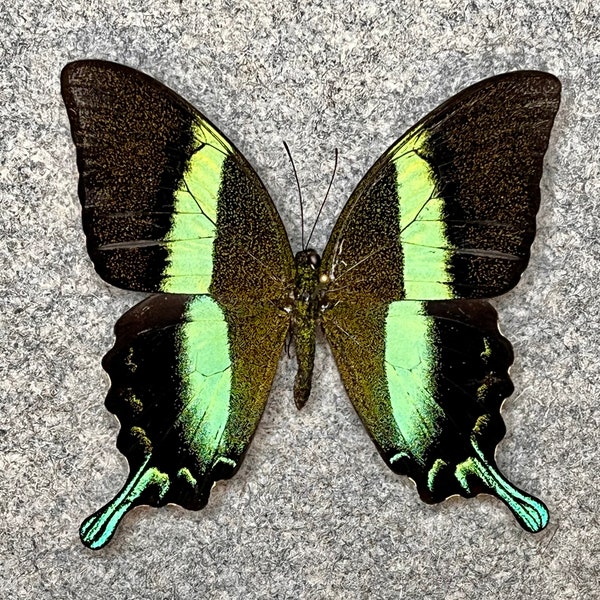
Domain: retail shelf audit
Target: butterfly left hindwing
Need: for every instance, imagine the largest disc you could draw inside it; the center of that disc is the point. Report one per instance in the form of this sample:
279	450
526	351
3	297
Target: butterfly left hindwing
189	384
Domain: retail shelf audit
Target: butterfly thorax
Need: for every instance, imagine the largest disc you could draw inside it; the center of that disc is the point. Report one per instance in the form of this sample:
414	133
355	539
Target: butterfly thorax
305	313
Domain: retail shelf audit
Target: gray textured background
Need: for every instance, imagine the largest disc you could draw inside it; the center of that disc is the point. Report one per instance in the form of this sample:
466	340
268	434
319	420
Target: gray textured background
313	512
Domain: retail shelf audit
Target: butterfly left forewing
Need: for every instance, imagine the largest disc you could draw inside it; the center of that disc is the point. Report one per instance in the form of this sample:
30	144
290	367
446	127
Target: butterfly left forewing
168	203
449	210
447	213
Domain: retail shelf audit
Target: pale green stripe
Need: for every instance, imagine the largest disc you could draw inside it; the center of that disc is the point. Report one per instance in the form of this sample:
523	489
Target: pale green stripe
198	266
193	223
425	246
410	362
205	370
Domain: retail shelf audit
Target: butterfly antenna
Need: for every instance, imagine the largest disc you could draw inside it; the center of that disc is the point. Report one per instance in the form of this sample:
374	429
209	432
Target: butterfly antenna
287	149
324	199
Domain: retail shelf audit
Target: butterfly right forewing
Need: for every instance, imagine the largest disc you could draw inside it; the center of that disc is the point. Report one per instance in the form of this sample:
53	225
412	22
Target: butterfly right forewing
168	203
449	210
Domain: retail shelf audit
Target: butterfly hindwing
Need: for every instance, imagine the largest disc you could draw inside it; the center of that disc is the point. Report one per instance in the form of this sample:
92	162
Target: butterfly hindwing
190	380
169	204
427	379
449	210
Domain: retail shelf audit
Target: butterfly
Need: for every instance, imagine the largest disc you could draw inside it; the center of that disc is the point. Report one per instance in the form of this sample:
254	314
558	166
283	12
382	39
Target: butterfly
444	219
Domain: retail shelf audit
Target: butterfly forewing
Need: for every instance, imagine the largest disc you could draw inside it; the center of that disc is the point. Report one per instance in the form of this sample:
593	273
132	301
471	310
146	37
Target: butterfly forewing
449	210
169	204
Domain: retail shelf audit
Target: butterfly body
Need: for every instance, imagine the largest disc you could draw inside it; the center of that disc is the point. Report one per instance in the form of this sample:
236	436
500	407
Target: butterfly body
444	219
307	307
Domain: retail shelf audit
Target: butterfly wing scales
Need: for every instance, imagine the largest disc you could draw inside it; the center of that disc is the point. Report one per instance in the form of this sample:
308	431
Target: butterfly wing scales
169	205
453	201
446	214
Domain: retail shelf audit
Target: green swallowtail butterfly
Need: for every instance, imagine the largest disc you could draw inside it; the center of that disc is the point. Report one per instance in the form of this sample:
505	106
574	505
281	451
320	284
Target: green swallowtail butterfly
444	219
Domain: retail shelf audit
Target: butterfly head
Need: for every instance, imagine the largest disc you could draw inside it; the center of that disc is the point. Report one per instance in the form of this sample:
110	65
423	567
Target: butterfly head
308	259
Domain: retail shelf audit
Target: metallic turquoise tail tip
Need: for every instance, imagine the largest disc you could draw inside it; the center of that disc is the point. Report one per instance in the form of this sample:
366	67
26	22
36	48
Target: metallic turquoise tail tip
530	512
96	531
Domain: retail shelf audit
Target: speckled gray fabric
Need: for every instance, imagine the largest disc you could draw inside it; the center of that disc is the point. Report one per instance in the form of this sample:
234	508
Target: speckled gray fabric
313	512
